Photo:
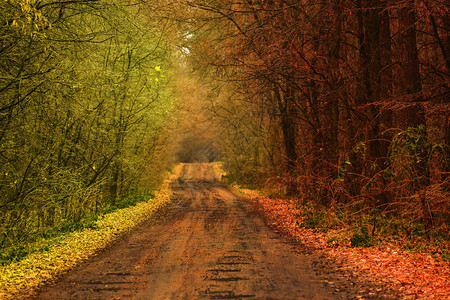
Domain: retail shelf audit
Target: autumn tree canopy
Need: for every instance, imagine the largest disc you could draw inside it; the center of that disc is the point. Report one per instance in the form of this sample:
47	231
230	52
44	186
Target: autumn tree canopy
338	101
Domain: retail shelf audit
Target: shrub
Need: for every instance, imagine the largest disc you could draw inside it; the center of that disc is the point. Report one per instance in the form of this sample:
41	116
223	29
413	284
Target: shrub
361	238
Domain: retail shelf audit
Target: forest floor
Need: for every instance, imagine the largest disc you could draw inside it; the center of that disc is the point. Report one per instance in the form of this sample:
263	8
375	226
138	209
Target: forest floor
412	275
210	243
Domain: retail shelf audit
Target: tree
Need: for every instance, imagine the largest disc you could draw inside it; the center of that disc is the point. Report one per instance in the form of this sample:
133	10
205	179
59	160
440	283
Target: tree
84	106
331	85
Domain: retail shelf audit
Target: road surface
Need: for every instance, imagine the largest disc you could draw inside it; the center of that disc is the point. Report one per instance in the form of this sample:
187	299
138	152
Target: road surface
207	243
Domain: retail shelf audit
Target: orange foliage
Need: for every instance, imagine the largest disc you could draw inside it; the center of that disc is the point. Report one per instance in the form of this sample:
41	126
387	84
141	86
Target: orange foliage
413	275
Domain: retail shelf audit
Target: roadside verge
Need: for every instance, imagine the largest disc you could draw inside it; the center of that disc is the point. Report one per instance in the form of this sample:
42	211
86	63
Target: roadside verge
20	279
412	275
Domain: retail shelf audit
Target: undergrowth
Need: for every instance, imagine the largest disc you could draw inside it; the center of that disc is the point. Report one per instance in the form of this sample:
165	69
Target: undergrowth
42	240
368	228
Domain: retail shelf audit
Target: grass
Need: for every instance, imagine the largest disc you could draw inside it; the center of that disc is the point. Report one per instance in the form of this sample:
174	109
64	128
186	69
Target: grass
42	240
131	200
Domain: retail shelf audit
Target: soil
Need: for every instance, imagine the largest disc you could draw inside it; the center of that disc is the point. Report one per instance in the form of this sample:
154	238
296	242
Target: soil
207	243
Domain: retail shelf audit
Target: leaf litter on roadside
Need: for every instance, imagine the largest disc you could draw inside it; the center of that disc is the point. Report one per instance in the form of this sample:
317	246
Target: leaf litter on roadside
414	275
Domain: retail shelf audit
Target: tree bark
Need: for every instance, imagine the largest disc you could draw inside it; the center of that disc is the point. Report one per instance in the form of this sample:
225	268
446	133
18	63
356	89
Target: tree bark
411	87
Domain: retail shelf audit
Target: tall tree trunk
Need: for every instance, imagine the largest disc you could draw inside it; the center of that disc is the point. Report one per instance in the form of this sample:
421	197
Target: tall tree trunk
334	82
411	88
288	127
408	56
386	80
369	95
385	53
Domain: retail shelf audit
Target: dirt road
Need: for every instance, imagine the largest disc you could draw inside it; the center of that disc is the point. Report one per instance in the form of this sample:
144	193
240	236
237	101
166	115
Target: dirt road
206	244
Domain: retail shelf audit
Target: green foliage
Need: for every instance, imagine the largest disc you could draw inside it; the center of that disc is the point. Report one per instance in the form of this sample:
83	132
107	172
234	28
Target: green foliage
357	153
32	244
331	240
128	201
410	158
87	221
411	151
54	256
13	254
365	228
361	238
42	240
410	143
24	17
313	219
317	217
244	169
